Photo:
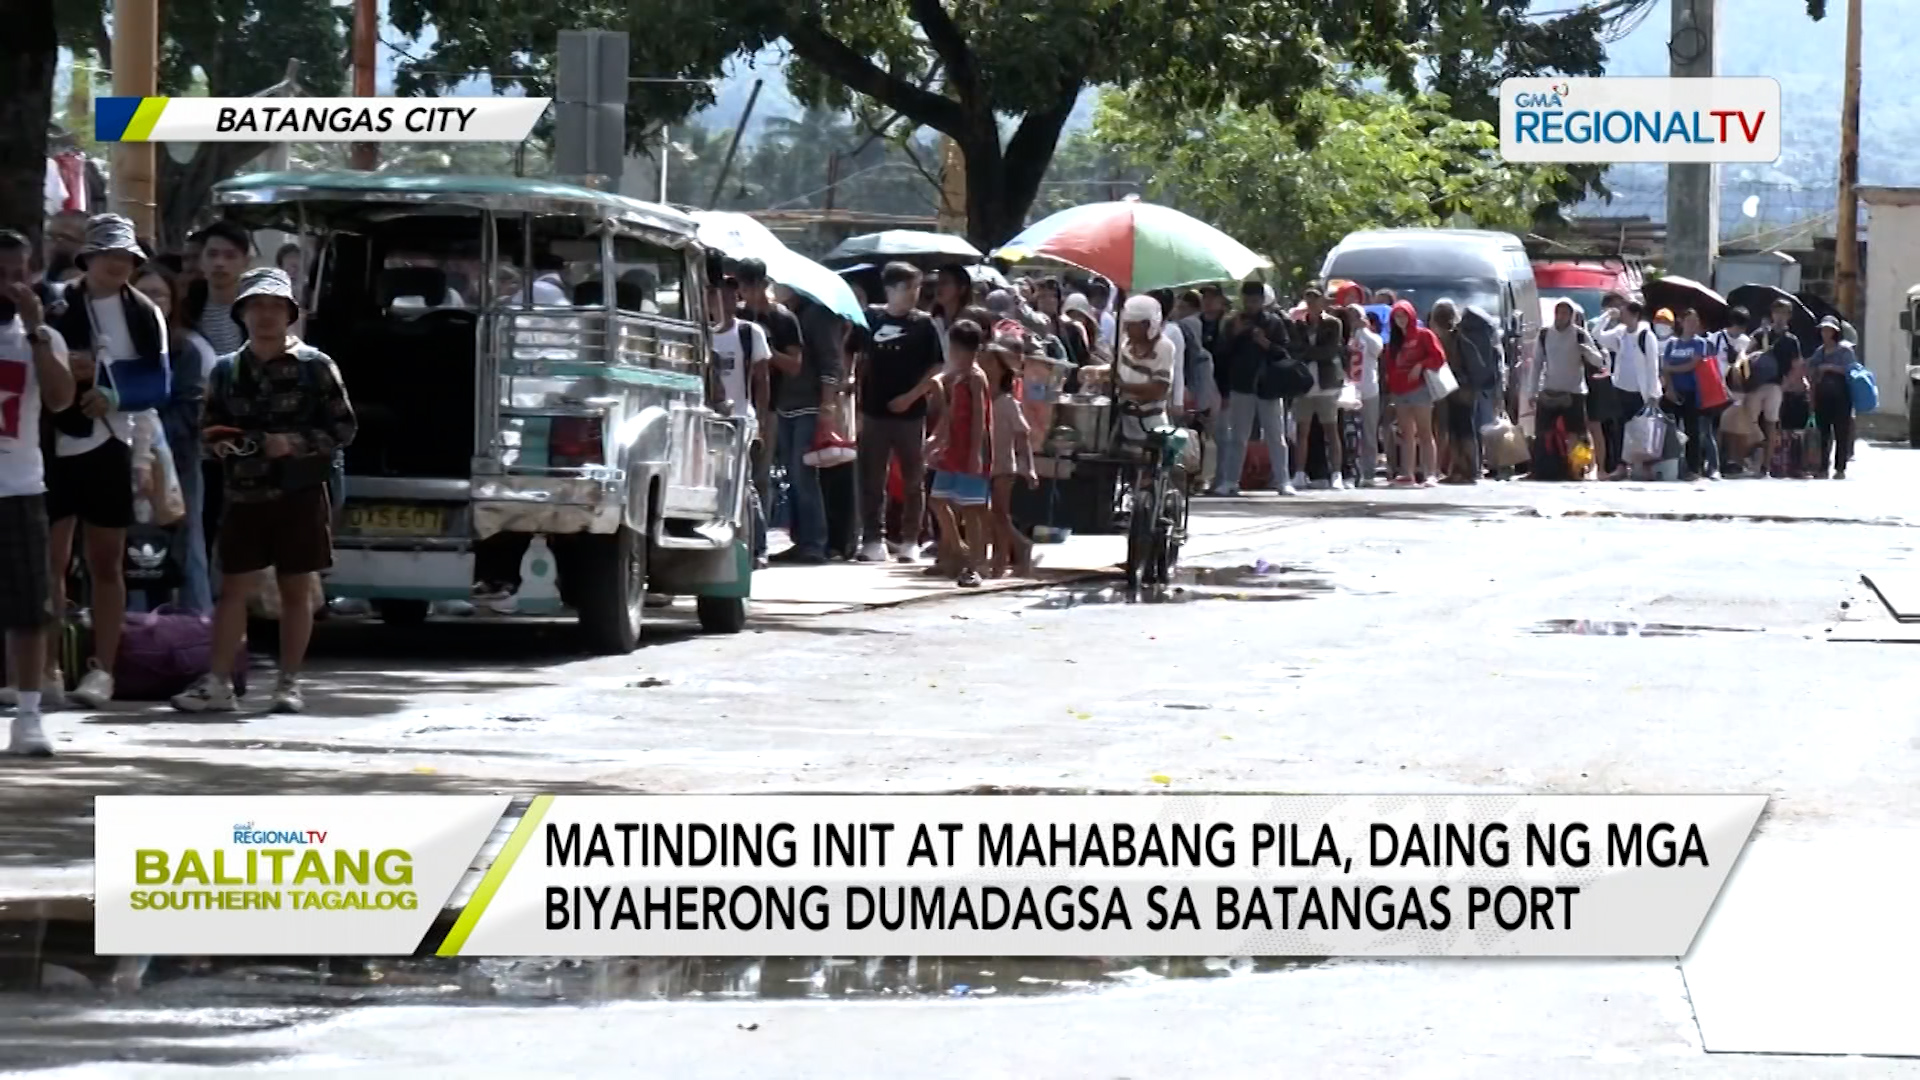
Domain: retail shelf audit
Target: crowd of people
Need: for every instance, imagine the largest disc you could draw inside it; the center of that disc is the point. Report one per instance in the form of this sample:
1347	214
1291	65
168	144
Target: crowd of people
162	421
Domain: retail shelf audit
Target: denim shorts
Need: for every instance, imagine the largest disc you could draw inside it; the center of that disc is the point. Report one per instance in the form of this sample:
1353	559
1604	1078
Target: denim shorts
962	489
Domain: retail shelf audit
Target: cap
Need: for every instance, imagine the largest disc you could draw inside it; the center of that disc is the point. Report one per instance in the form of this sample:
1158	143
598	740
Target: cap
1663	315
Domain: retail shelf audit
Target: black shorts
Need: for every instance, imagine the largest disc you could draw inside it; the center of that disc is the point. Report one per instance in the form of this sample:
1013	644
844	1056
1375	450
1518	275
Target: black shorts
1603	402
96	487
292	534
26	583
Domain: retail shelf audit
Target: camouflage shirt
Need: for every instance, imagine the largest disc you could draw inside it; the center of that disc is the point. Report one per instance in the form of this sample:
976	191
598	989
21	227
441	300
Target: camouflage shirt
297	394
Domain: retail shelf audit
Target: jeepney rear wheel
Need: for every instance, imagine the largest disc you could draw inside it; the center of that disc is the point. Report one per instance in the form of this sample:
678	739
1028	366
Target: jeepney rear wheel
722	614
612	589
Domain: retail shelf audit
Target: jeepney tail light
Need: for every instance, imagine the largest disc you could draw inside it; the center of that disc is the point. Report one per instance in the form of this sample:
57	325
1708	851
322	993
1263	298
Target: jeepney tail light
575	441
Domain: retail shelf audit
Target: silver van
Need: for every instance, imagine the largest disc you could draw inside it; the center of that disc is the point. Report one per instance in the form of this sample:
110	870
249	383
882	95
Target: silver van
1488	270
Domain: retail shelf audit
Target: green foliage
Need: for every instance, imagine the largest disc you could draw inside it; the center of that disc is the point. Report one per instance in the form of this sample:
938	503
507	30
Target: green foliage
1346	160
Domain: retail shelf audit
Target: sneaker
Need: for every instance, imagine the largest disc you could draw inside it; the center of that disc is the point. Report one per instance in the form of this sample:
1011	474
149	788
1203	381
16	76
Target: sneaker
1404	482
96	688
209	693
1287	489
872	551
1431	481
1338	483
1299	479
969	579
905	555
29	739
1839	474
287	697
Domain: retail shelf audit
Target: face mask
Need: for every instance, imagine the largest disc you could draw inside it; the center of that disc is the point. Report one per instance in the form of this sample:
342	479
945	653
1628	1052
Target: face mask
1663	332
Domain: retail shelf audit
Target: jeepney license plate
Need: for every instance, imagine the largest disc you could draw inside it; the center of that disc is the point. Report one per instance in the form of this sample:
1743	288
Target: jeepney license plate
379	520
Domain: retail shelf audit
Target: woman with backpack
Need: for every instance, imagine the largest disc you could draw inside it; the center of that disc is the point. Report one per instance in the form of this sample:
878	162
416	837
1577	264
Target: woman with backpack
1832	397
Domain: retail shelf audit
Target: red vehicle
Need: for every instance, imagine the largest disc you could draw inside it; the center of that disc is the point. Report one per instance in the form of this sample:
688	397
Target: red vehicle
1584	283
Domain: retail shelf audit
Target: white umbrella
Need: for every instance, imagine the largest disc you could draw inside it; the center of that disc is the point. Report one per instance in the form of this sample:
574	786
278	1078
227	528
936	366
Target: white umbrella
738	236
907	244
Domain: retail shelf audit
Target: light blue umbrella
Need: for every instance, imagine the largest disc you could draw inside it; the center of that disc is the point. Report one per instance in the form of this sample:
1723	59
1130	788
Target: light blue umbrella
738	236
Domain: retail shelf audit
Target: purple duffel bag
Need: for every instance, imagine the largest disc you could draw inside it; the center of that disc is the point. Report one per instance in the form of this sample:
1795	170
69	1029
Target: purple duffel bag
163	651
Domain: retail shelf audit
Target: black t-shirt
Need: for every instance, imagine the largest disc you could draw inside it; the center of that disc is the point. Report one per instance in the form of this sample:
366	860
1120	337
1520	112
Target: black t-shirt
903	350
1784	349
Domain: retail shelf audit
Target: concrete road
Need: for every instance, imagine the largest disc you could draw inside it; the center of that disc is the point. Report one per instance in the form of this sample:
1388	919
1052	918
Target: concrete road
1596	638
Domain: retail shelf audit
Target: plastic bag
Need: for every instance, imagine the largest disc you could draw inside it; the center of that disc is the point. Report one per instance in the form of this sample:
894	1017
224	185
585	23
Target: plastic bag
158	499
1646	437
831	447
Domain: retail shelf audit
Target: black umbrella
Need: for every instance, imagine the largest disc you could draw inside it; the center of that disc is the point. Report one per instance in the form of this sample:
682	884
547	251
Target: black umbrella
1823	310
1759	301
1678	293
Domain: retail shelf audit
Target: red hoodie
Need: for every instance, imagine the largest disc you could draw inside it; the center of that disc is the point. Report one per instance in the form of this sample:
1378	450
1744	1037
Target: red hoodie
1414	352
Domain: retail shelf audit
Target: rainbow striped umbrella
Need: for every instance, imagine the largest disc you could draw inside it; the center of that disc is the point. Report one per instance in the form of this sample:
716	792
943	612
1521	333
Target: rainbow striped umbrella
1136	245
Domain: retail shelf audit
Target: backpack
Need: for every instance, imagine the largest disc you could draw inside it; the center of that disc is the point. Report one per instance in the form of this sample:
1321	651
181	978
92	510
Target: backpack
1479	336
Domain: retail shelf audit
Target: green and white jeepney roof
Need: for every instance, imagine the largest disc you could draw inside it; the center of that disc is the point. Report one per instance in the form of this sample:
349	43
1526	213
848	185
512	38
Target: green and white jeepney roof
503	194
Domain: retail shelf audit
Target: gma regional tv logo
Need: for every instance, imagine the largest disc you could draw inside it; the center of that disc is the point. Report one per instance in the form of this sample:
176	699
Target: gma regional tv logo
1608	121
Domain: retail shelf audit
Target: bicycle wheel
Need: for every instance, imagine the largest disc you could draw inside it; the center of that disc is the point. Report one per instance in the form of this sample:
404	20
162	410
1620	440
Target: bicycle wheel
1169	533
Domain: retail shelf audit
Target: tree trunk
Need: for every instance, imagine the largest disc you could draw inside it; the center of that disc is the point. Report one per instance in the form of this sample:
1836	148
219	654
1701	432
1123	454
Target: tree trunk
186	190
28	53
1003	183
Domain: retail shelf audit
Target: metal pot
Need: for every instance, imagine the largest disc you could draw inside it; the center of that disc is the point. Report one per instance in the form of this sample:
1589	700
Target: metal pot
1091	418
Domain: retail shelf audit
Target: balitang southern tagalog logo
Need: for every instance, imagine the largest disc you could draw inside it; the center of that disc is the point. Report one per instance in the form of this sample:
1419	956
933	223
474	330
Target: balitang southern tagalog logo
268	868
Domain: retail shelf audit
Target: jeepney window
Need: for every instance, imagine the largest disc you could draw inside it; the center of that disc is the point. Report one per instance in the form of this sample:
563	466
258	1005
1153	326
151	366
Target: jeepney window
563	269
649	279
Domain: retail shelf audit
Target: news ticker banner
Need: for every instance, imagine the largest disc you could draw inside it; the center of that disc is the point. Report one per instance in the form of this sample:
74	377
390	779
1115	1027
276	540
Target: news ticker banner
901	875
1617	120
354	119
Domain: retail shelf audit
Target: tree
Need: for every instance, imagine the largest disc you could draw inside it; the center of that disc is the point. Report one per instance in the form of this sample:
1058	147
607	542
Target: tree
1347	159
1000	78
28	53
200	49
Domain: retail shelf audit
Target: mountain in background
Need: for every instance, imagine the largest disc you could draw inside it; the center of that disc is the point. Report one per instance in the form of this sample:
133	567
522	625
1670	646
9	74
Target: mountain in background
1757	37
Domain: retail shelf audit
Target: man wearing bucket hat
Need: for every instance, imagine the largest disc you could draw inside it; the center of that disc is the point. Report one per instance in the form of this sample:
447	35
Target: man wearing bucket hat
33	372
277	413
121	368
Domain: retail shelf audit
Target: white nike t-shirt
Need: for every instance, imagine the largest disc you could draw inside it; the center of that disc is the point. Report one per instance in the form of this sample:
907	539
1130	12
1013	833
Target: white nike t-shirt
23	471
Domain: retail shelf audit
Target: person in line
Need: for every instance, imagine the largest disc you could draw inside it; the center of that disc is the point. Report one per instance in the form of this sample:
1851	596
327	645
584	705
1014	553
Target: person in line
1252	345
65	234
828	344
121	367
1454	437
1321	340
33	375
1568	355
1773	354
1664	326
1832	397
1100	296
1363	328
1414	351
961	453
1012	461
193	361
808	386
903	354
217	255
1604	422
1680	358
277	413
1386	297
1636	367
757	305
1080	327
741	354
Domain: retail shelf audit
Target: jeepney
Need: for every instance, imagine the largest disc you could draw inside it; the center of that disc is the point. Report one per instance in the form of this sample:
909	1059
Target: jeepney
529	365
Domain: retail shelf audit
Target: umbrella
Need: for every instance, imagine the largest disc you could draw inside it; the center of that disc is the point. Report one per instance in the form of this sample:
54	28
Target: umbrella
1136	245
910	245
738	236
1758	300
1675	293
981	272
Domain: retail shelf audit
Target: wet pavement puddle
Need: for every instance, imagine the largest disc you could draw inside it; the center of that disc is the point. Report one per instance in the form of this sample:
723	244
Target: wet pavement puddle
332	983
1606	628
1259	581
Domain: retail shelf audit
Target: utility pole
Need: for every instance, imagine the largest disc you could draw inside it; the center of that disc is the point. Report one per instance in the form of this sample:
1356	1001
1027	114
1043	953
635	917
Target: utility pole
1846	233
1693	188
136	59
366	22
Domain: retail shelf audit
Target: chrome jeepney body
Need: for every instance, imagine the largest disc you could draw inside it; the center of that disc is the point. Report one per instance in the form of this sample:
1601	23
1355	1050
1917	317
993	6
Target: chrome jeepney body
648	494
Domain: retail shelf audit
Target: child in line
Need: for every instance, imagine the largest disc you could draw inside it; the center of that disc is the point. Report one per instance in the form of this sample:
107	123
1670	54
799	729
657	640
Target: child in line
1012	460
961	453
